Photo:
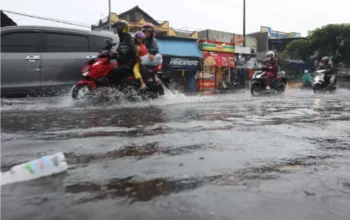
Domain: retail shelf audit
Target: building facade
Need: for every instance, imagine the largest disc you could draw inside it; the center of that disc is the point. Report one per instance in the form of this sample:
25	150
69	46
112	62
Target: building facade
137	18
217	64
181	59
268	39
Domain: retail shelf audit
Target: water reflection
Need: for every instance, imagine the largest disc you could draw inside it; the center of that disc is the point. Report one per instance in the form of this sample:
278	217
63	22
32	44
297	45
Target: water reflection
137	191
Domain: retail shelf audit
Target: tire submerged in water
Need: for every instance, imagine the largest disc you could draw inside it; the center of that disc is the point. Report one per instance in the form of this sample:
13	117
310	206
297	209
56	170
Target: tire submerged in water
80	92
255	89
281	88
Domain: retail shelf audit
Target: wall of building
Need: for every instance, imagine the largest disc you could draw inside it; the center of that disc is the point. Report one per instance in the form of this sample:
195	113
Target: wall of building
213	35
221	36
262	41
278	34
250	41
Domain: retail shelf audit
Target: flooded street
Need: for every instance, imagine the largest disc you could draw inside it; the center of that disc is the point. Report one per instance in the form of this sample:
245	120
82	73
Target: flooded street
227	156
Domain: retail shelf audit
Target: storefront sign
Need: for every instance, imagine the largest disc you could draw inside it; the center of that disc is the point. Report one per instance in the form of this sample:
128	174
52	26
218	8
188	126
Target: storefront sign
239	39
217	46
218	59
183	63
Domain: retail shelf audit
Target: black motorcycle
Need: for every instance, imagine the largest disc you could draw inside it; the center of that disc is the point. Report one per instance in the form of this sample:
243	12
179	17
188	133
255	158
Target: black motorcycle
258	83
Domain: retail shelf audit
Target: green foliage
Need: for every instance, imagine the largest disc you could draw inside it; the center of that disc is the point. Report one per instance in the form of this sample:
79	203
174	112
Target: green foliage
331	40
300	48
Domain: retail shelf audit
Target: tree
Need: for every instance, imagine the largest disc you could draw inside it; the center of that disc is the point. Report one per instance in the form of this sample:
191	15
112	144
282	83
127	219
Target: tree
299	48
331	40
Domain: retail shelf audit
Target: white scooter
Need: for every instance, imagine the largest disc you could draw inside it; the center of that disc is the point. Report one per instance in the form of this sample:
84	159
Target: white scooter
319	84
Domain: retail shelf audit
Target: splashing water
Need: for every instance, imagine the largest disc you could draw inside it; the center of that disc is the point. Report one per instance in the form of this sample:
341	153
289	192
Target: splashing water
116	100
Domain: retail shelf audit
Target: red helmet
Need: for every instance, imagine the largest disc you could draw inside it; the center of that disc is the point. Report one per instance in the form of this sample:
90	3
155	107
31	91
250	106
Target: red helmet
149	27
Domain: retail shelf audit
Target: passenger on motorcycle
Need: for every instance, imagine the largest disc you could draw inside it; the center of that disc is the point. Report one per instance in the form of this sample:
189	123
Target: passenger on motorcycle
141	50
272	67
151	43
326	65
125	53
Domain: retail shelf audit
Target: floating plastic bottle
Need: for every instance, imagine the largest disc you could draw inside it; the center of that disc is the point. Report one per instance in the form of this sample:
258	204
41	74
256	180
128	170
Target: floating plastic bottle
34	169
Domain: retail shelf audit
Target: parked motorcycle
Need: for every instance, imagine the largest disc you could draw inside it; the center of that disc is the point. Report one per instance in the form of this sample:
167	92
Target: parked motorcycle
258	83
319	84
95	76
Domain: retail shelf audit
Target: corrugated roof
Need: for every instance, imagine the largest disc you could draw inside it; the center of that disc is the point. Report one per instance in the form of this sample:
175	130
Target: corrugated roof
179	48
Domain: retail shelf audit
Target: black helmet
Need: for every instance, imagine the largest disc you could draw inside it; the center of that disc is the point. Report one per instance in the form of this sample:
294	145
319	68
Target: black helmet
121	26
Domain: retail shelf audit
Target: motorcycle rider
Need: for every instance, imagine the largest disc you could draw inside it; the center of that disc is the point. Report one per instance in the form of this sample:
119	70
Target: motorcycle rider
307	78
141	50
326	65
272	67
151	43
126	51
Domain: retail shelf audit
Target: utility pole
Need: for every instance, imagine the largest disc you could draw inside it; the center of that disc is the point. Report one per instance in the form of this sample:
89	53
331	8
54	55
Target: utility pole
109	15
243	23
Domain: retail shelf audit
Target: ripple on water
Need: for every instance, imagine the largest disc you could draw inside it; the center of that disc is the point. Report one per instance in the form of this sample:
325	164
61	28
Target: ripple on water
337	204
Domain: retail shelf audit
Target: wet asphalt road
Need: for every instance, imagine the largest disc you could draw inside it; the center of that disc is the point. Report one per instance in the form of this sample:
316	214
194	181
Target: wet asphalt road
200	157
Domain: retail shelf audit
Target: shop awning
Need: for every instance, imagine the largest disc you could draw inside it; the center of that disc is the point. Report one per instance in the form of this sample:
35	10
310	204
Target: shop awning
179	47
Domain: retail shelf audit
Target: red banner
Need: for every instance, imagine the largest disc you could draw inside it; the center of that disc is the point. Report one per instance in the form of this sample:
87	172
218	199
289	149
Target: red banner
218	59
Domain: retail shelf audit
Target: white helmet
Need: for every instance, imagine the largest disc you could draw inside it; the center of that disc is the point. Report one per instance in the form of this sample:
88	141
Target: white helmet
306	71
271	53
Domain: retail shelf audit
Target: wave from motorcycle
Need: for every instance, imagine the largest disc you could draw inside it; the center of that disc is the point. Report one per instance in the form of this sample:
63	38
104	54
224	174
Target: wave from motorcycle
319	84
96	78
258	83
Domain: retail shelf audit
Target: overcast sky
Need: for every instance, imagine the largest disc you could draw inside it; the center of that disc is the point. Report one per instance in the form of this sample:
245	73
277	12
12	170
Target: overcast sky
225	15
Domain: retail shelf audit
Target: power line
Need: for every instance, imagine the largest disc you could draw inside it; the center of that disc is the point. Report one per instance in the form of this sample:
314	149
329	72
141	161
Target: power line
50	19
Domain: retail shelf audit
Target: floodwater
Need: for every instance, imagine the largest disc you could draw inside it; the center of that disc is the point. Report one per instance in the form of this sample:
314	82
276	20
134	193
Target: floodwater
226	156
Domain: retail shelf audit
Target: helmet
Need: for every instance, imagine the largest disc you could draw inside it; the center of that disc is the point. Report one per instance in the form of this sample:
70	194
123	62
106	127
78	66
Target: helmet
140	34
149	27
325	60
121	26
271	54
306	71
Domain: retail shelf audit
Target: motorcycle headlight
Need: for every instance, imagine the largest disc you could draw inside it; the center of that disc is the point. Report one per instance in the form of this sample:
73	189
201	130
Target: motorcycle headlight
97	63
85	72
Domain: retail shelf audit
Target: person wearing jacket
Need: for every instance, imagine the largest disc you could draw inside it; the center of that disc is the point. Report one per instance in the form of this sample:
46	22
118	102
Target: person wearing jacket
326	65
272	67
141	50
151	43
307	78
126	52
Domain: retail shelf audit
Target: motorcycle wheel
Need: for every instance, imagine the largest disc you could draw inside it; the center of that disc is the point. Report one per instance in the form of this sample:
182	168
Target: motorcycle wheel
81	92
255	89
281	88
332	89
317	88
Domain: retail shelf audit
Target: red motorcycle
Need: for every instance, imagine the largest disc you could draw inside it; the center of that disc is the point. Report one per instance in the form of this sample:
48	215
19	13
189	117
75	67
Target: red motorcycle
96	75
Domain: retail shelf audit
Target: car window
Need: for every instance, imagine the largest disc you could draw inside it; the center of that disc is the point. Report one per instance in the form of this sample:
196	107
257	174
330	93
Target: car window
19	42
66	43
98	42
